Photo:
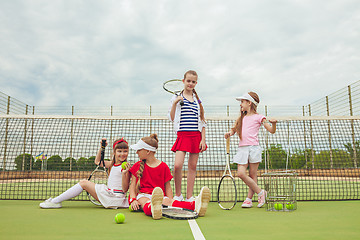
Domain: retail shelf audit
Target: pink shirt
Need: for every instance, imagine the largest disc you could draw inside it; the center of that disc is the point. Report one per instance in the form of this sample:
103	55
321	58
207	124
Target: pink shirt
250	129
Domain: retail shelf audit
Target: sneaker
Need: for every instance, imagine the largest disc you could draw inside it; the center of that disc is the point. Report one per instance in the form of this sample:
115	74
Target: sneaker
201	201
49	204
156	203
247	204
262	197
179	198
191	199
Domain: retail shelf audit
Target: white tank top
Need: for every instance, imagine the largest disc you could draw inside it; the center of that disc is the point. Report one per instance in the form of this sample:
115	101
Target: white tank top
115	178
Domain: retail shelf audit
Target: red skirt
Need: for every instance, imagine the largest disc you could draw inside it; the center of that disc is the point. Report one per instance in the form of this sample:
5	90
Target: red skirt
187	142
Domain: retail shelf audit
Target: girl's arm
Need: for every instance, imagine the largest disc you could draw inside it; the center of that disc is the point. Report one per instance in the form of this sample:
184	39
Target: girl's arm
229	134
202	146
168	190
126	178
271	128
173	107
135	205
98	157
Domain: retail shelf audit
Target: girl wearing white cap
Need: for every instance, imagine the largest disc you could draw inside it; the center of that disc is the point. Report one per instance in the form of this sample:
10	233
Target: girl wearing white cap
150	183
111	195
249	152
189	124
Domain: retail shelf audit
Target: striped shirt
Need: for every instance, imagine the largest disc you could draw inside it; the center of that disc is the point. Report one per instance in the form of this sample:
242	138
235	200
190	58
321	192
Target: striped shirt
189	116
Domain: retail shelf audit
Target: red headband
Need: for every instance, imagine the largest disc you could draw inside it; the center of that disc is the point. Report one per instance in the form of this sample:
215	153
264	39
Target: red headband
121	140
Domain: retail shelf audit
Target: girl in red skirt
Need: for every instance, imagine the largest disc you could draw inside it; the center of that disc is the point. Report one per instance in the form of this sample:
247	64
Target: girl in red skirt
189	124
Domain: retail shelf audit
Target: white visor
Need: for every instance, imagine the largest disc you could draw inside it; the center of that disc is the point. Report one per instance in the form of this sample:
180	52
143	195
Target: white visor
247	96
142	145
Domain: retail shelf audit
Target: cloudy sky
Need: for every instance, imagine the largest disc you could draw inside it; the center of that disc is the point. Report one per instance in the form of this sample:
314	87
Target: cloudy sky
102	53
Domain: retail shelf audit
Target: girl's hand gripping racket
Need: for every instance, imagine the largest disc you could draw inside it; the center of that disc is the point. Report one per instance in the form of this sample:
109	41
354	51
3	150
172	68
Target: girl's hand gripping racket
99	175
227	193
174	86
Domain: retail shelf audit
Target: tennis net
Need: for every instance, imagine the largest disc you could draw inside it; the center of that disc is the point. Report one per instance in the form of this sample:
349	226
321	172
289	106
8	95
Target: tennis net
41	156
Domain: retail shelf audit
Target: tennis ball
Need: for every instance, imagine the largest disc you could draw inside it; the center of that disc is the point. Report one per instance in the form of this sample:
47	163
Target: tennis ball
123	165
119	218
289	206
278	206
130	209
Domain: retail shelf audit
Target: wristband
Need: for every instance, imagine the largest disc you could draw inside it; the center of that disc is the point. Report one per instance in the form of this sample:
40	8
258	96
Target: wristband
131	200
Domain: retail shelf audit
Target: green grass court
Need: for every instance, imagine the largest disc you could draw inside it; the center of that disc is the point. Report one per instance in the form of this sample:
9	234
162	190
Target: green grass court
82	220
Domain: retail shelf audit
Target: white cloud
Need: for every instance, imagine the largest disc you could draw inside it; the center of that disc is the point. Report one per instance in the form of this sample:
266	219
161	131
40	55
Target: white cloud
102	53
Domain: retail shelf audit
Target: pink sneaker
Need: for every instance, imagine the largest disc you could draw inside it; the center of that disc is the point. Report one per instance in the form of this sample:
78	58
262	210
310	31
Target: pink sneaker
247	204
262	197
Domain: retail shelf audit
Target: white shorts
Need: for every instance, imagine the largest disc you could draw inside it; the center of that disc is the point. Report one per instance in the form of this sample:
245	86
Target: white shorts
109	199
140	195
248	154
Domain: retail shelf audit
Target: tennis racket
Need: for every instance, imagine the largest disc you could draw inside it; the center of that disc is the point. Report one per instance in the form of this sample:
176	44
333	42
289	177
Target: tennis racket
178	213
227	193
174	86
99	175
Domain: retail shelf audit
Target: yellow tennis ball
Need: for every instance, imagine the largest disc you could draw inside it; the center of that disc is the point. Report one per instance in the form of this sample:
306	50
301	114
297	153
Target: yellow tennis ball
278	206
123	165
119	218
130	209
289	206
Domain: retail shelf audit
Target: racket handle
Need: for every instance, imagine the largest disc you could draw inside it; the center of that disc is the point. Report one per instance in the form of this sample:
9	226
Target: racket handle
228	145
181	103
103	143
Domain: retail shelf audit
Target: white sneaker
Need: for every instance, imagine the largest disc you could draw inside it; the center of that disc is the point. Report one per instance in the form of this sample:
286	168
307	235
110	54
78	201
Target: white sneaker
179	198
191	199
247	204
49	204
156	203
201	201
262	198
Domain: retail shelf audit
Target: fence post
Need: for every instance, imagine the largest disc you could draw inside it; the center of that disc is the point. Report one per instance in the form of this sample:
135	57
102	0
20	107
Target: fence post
32	137
311	141
352	127
23	162
305	152
329	130
71	136
6	133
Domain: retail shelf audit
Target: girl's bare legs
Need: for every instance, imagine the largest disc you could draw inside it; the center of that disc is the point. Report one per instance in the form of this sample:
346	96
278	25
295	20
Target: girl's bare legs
179	162
193	159
241	173
89	187
253	167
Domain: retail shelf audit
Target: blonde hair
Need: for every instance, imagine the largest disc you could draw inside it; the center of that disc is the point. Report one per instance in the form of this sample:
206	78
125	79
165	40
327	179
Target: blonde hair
153	141
238	123
202	115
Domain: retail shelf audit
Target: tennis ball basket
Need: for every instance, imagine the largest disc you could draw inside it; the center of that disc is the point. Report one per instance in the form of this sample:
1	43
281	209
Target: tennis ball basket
280	186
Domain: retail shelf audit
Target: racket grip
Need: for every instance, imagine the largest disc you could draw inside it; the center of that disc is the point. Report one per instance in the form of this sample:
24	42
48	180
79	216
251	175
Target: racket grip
228	145
181	103
103	143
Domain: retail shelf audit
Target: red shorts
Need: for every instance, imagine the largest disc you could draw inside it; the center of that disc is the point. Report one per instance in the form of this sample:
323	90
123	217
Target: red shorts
187	142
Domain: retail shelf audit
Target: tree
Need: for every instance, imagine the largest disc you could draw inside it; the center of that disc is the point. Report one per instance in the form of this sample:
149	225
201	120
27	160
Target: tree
85	164
54	163
29	159
350	150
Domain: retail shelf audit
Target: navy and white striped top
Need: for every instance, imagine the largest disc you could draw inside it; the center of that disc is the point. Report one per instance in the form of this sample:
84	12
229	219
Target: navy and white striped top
189	116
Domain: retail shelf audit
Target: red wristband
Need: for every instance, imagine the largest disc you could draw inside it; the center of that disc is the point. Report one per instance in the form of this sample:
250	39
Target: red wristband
131	200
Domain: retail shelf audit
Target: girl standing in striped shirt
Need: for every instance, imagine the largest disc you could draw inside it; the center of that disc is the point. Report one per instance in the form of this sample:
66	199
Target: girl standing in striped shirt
189	124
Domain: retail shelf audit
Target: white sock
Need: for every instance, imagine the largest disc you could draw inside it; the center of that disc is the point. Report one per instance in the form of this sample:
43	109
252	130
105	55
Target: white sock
261	193
249	199
70	193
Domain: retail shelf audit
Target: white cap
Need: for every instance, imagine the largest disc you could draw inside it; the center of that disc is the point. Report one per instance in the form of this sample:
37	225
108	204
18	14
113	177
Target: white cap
247	96
142	145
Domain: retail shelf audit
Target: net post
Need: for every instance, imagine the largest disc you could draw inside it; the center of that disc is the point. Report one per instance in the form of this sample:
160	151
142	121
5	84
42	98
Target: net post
305	153
352	126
